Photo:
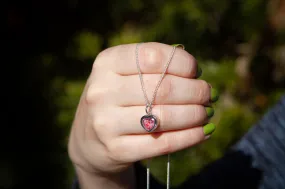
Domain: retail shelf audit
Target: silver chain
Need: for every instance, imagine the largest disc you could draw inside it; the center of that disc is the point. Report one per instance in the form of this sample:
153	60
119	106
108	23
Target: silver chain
149	104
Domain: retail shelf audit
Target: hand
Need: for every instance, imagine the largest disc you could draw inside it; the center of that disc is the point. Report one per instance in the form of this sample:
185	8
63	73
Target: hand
107	137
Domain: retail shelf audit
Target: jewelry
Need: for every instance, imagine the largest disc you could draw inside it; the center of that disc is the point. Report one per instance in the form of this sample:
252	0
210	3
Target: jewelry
149	121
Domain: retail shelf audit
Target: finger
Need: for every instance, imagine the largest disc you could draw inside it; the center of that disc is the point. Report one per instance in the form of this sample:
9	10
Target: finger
171	117
172	91
133	148
152	59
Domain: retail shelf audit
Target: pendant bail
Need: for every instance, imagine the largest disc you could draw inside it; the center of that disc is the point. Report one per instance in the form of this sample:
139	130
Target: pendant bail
148	109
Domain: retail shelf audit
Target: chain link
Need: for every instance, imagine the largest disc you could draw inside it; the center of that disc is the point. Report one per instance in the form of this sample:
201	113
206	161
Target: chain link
150	103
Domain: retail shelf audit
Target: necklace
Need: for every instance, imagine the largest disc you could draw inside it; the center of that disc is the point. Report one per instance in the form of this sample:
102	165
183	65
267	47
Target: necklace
150	122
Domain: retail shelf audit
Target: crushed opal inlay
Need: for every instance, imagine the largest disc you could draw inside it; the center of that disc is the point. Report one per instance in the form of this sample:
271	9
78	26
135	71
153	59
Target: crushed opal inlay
149	122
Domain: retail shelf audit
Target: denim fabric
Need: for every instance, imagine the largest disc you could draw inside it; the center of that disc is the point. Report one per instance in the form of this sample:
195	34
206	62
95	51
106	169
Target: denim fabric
265	143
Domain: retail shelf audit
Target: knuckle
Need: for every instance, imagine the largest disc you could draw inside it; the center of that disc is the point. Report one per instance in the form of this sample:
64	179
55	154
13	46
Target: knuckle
106	53
101	127
151	56
203	92
115	151
99	124
89	97
112	150
104	56
93	94
100	58
166	89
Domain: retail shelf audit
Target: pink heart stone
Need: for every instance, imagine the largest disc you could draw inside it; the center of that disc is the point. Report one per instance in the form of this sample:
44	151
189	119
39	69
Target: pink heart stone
149	122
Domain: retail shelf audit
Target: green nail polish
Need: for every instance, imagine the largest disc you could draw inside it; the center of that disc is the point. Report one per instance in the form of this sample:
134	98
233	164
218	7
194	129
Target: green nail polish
178	45
214	95
209	128
210	112
198	72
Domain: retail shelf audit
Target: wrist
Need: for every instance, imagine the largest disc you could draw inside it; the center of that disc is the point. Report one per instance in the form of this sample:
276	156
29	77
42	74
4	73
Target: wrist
91	180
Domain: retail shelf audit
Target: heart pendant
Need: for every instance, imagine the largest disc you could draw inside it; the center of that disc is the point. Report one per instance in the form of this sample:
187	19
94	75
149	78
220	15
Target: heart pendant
149	122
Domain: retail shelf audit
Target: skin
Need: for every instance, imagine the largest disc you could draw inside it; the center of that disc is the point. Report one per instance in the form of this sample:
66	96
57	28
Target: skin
106	137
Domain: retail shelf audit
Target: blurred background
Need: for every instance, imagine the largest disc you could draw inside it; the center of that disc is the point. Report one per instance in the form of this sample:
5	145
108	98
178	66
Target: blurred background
49	47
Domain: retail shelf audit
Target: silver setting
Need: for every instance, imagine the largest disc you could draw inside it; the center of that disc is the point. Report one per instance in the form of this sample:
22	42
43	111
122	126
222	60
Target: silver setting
156	122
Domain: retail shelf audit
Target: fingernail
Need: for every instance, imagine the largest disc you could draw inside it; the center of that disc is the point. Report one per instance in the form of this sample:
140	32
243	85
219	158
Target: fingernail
178	45
209	128
210	111
198	71
214	95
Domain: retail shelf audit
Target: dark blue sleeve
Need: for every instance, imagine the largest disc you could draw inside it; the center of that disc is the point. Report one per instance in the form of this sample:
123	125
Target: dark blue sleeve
265	144
257	161
75	184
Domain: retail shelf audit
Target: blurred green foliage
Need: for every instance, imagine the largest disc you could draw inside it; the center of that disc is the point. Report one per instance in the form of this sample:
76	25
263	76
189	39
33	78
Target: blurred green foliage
239	45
